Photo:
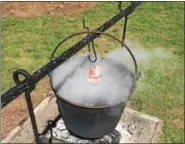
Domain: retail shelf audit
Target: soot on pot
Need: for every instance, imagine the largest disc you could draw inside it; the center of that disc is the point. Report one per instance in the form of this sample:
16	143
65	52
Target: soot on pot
70	82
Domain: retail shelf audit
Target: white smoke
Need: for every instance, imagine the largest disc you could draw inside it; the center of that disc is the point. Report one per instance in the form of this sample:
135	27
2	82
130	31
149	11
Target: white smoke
146	58
70	79
115	86
62	72
141	55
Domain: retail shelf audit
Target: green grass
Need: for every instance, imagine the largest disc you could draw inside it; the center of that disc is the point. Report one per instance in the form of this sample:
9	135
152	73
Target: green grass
28	44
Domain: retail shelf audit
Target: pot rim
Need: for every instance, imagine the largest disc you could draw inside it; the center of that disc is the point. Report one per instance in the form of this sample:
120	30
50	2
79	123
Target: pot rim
91	106
79	105
85	106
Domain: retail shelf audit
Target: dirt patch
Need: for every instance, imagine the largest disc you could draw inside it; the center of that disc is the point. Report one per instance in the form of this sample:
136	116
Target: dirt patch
31	9
15	112
179	123
179	112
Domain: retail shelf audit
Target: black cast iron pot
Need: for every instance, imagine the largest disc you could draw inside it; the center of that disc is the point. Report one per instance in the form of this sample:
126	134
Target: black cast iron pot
89	122
92	122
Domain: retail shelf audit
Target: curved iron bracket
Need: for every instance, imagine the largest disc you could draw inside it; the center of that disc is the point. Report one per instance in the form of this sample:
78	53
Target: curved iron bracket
27	78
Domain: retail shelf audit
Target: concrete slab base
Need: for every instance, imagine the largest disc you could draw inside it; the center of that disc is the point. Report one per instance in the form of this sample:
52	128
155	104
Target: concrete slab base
135	127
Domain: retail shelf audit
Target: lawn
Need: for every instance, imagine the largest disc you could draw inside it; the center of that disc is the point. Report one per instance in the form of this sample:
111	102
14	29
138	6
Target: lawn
27	43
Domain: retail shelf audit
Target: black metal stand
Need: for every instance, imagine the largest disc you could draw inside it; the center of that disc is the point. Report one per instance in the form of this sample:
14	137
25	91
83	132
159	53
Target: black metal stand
32	115
39	138
28	84
29	79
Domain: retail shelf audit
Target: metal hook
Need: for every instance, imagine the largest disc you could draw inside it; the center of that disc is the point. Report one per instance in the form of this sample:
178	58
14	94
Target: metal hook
134	4
119	5
87	28
89	46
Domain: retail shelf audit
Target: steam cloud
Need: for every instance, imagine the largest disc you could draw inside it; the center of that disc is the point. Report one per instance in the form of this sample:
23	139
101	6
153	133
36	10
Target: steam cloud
70	79
70	82
62	72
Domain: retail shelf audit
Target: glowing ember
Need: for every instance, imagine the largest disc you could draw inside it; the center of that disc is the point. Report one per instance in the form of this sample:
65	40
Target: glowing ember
93	74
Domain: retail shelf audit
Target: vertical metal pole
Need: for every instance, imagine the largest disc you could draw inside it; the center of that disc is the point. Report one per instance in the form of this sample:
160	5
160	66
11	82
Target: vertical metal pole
50	124
32	115
125	23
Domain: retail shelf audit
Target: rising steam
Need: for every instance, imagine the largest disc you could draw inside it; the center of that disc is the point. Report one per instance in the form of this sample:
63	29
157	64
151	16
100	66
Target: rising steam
70	79
116	82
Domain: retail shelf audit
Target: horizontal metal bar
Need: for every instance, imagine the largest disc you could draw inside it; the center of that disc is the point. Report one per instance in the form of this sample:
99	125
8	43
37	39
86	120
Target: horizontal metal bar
46	69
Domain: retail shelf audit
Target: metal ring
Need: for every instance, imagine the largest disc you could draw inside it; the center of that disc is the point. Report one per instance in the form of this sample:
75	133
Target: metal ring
137	73
28	78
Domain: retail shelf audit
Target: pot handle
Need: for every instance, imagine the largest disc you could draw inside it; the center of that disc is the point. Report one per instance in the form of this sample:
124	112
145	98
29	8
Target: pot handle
137	73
